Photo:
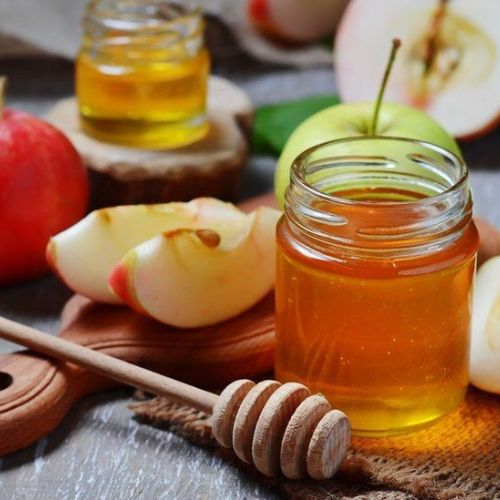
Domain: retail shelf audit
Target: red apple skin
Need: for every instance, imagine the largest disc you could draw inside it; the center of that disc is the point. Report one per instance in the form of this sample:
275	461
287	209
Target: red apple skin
258	13
489	127
43	189
119	282
258	10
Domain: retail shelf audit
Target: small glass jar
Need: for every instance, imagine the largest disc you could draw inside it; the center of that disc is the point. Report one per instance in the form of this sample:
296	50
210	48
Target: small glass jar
141	75
376	261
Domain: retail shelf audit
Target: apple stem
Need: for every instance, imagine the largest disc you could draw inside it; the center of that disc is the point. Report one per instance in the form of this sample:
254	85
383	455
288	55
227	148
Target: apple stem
3	89
396	43
430	47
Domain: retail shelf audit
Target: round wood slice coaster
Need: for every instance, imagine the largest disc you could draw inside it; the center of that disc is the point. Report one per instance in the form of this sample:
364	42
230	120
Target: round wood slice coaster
211	167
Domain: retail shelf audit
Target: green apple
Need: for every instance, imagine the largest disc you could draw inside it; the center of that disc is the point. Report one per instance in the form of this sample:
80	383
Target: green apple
352	120
361	119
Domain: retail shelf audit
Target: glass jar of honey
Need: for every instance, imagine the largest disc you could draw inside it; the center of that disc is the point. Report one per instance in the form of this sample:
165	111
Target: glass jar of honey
376	262
141	75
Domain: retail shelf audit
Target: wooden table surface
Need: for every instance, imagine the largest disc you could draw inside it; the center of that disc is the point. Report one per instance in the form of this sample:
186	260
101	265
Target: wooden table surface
99	451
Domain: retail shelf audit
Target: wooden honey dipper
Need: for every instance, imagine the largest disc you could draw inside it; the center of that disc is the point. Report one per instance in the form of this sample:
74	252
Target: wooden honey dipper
280	428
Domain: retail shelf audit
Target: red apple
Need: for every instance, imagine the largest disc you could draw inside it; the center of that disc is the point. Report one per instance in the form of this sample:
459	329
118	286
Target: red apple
43	190
296	21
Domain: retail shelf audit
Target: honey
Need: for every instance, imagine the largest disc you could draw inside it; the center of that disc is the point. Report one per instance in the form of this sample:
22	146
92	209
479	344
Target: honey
374	279
141	76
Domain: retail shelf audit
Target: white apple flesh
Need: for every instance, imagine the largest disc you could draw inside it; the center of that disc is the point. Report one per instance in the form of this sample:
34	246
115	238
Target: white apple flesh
353	120
84	255
195	278
485	342
461	88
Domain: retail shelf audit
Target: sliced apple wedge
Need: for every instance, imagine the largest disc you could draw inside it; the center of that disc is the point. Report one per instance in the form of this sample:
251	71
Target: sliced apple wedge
485	343
84	255
197	277
448	63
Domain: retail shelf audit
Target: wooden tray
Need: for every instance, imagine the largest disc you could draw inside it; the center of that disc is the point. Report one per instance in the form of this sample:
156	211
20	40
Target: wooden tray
36	392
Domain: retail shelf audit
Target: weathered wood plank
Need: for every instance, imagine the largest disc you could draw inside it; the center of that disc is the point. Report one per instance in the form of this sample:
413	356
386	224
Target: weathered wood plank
101	452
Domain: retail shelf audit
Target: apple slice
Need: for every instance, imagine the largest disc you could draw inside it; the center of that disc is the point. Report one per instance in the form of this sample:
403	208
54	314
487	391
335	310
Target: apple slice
489	236
448	63
485	344
197	277
84	255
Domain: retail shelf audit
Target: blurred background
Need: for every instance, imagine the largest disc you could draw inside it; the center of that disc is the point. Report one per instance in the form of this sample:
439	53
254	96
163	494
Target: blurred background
278	50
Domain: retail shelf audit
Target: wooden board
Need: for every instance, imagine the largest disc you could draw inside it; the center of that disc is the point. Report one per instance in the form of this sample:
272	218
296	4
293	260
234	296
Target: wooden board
211	167
37	392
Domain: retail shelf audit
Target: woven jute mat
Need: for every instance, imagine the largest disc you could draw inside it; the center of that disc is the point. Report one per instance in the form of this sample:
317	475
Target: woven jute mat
458	457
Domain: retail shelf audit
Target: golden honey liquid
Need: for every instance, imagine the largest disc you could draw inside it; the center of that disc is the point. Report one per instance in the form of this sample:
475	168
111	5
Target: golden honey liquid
387	343
154	100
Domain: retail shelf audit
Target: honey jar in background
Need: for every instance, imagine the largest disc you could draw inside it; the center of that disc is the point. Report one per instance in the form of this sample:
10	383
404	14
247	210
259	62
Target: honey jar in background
141	75
376	262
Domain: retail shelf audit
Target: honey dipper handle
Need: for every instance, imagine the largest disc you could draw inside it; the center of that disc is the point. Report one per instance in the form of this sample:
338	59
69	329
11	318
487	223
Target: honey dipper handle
107	366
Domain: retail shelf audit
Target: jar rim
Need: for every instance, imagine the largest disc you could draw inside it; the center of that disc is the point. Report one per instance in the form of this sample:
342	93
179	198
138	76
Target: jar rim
298	177
108	24
94	11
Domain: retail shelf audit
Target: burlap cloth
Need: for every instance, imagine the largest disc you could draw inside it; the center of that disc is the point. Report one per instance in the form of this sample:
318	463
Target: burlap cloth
458	457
